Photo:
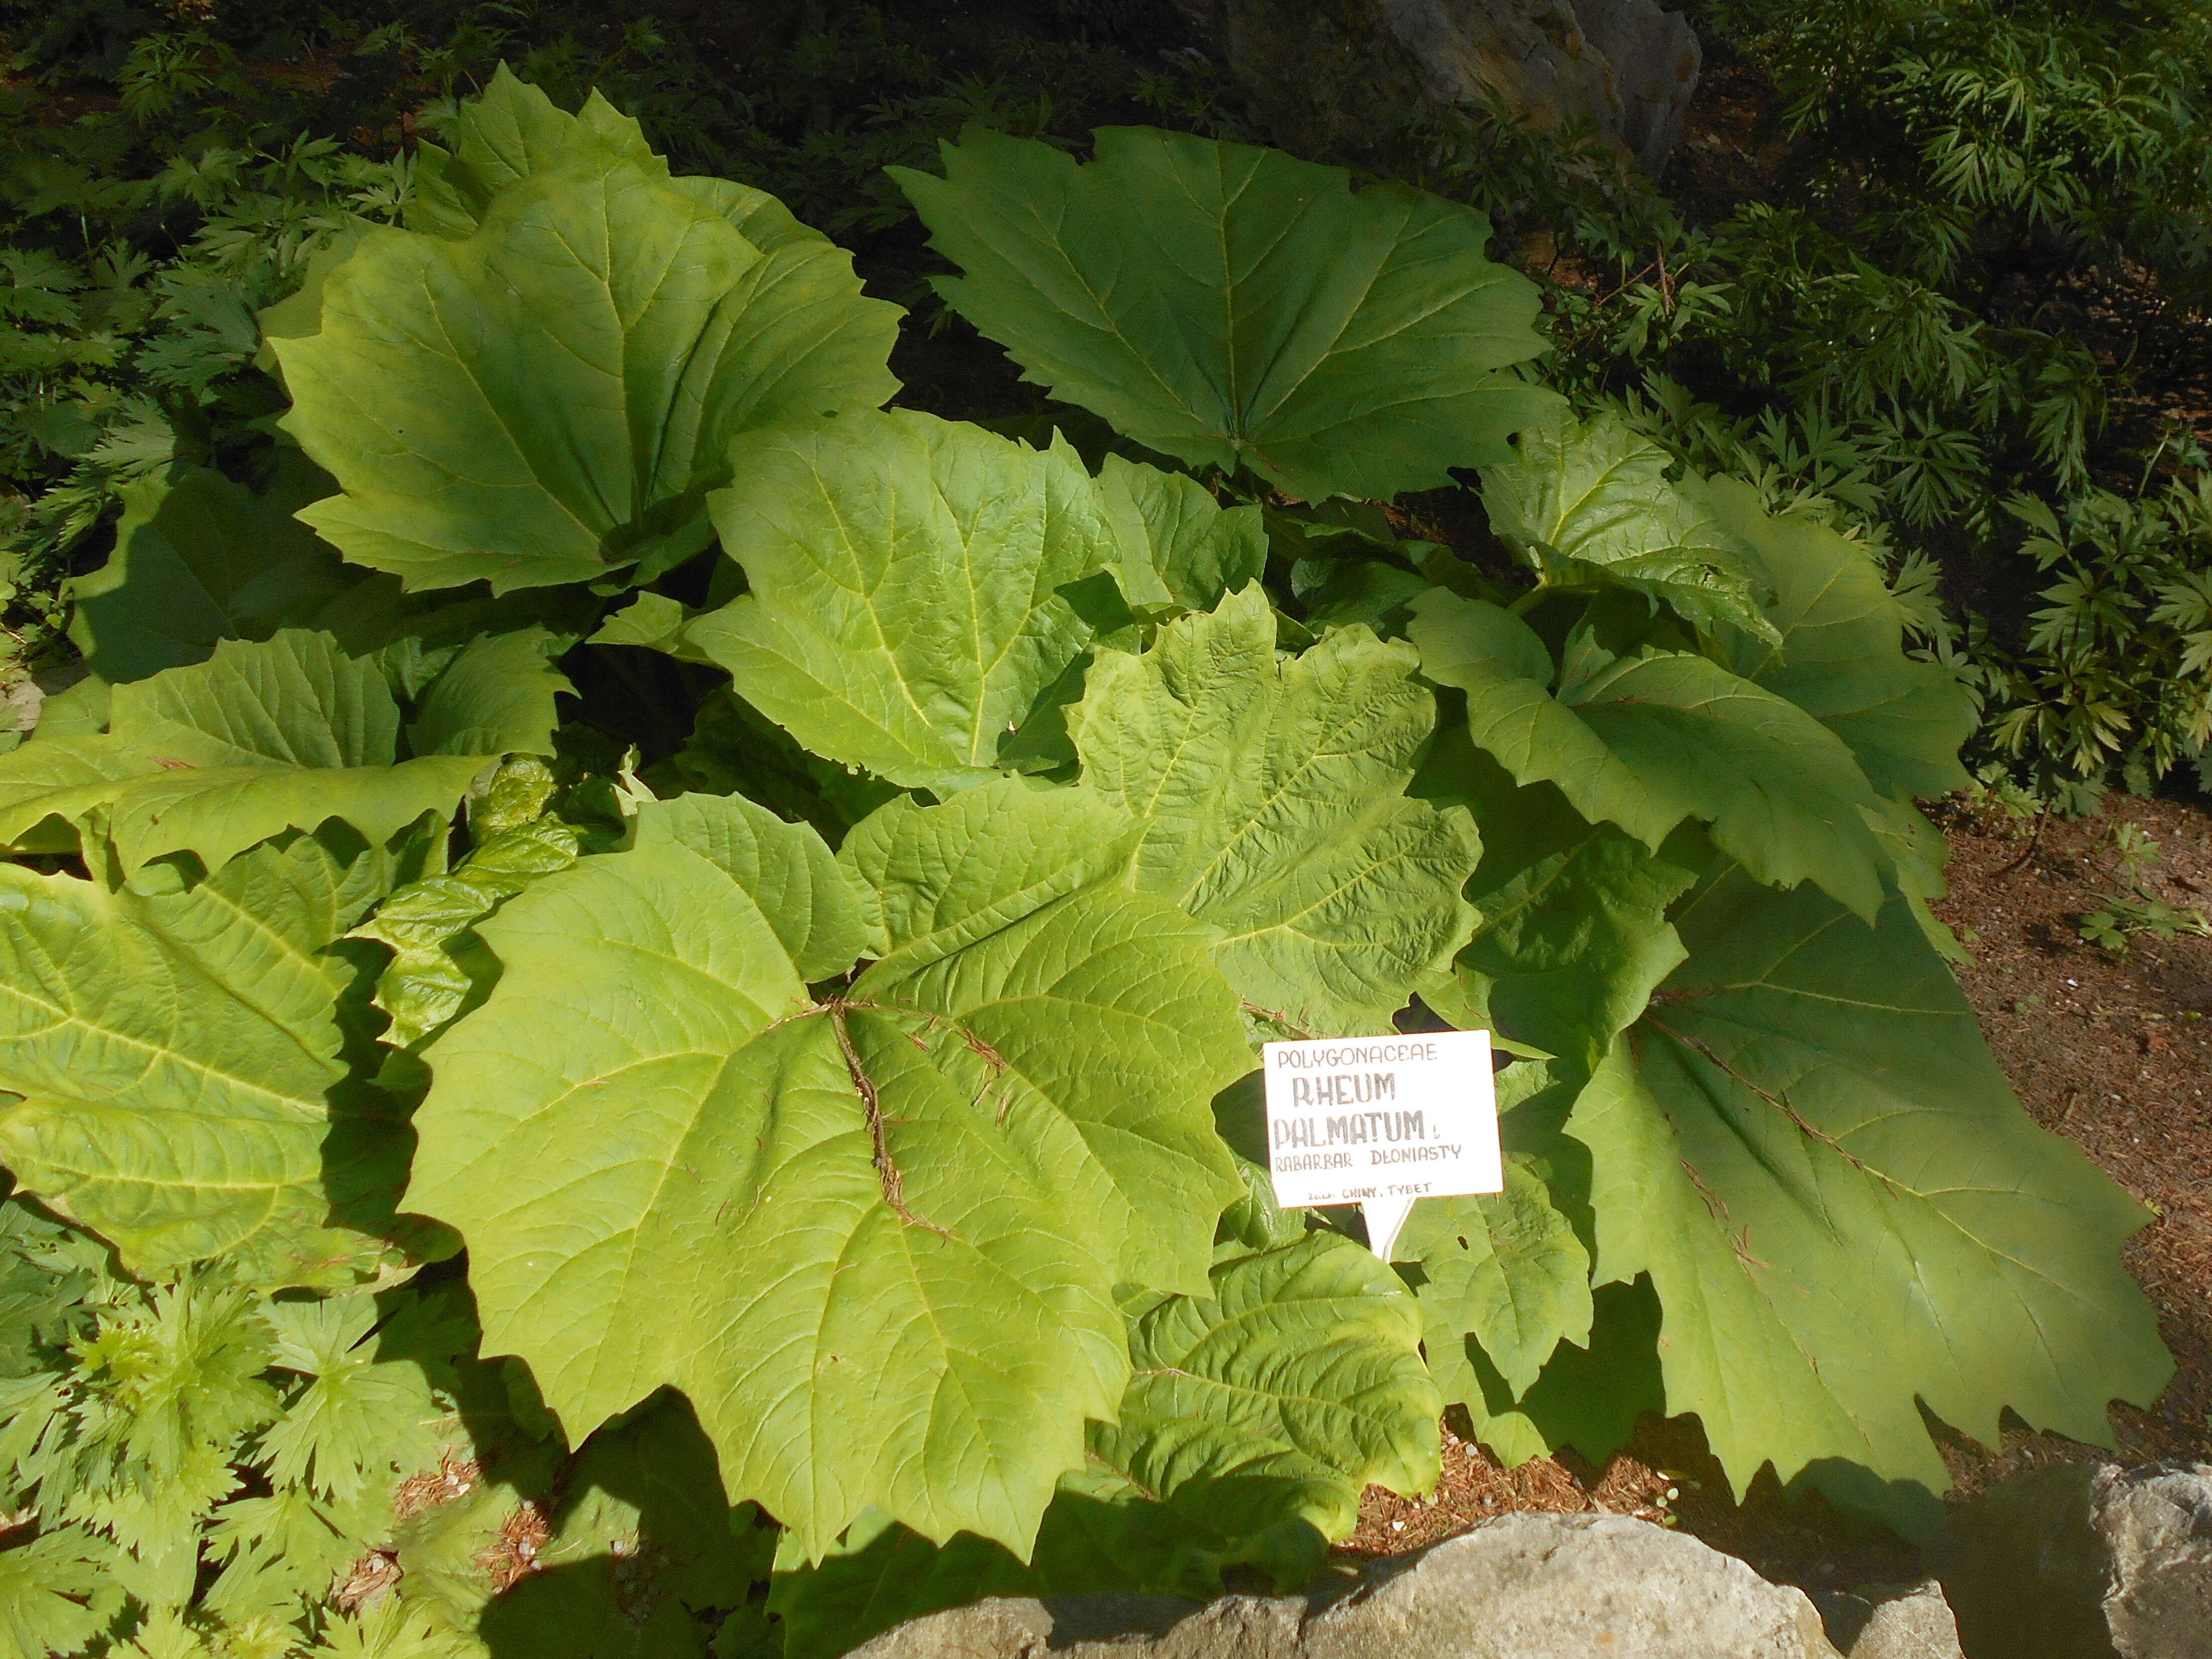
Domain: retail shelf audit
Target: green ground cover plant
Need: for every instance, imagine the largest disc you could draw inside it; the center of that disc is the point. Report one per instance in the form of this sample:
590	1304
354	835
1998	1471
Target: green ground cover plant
628	998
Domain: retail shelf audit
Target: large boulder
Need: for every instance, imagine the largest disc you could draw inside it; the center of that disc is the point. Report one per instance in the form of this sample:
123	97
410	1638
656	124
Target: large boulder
1328	77
1655	57
1890	1621
1520	1587
2083	1561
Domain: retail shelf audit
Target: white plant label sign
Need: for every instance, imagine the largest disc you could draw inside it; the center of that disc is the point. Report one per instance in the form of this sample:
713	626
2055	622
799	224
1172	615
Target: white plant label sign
1380	1121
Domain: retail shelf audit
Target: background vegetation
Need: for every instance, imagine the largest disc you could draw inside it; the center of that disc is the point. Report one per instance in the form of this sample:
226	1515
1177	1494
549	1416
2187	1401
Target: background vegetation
1933	279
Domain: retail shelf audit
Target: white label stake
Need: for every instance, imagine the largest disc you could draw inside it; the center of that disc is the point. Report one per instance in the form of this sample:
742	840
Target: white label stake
1380	1121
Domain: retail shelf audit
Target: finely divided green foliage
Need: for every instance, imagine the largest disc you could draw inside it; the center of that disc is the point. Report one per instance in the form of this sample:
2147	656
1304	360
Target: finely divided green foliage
1233	308
872	1139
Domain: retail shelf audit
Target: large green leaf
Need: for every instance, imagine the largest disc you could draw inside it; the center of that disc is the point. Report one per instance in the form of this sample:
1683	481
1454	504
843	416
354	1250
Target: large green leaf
1299	1368
1574	936
283	734
178	1057
1271	799
1231	307
1647	741
510	133
1840	655
820	917
1181	549
1257	1415
874	1240
514	131
1590	505
1502	1272
549	398
1807	1146
910	600
199	560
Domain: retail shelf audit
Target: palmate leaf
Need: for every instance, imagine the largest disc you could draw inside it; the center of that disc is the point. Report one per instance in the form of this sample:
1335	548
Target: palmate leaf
1298	1370
1648	740
1590	505
50	1275
279	735
360	1421
176	1055
911	582
498	140
44	1587
1840	654
873	1241
1807	1147
1502	1271
1271	803
1181	549
549	398
1257	1415
391	1628
1234	307
514	131
1574	936
167	1391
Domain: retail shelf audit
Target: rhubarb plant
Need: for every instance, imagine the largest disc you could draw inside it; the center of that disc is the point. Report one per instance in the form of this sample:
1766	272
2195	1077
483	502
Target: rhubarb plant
628	998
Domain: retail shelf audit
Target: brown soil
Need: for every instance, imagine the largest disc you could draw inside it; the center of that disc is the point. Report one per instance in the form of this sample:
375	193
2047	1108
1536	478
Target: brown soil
2110	1050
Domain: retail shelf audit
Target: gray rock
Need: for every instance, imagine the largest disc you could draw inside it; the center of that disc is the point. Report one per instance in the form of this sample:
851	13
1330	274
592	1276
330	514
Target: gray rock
1654	56
2083	1561
1890	1621
1520	1587
1326	78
